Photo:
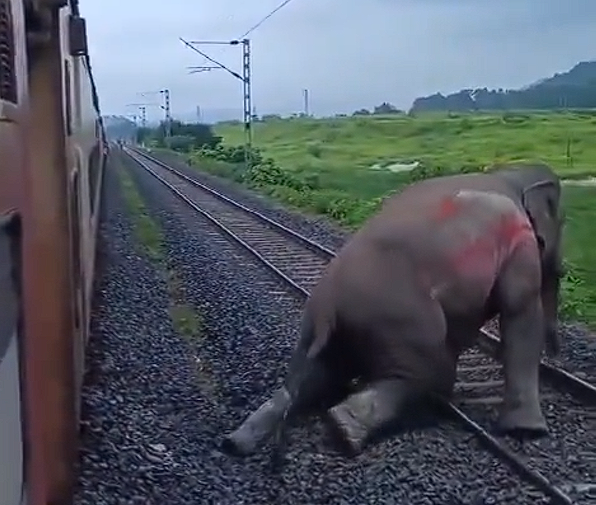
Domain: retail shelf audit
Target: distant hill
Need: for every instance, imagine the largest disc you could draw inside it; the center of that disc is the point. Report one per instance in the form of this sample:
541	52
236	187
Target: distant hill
574	89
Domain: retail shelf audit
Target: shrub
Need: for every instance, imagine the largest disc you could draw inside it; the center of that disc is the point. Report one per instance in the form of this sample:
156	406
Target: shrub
573	296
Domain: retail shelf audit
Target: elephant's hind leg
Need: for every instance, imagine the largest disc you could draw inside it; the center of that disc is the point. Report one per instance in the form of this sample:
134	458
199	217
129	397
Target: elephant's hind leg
363	413
412	359
319	383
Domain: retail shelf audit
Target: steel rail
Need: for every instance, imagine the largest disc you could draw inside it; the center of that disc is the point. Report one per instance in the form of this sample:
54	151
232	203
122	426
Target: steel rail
553	372
288	231
491	340
534	477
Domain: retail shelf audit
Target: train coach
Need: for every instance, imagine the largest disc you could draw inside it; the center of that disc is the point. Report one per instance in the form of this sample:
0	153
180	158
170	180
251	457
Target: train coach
52	155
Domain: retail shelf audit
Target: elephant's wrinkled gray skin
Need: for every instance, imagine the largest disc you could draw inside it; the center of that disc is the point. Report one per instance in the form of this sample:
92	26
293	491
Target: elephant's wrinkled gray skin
409	292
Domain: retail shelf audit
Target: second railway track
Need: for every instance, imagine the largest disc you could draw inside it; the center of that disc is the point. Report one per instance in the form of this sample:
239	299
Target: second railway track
568	401
298	260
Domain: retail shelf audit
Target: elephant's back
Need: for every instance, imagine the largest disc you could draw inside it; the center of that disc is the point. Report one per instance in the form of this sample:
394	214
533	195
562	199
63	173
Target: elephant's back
421	195
431	239
429	207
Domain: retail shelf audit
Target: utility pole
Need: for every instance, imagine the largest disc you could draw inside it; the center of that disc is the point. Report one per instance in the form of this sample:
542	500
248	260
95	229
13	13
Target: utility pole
246	101
143	110
166	108
135	120
245	77
142	107
305	95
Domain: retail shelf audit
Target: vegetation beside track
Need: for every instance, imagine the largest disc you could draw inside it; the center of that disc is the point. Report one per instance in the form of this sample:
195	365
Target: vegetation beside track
342	168
186	319
147	232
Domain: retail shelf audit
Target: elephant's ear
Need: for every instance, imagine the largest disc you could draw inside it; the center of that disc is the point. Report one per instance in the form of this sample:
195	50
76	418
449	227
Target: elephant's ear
541	202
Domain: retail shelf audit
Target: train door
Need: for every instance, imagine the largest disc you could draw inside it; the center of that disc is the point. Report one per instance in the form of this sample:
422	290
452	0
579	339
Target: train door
74	214
11	431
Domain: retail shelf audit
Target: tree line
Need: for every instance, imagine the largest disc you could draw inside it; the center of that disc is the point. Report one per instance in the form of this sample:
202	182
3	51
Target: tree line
184	137
575	89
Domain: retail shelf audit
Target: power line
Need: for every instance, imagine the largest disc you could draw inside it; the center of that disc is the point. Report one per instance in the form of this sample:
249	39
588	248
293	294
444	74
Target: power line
191	45
280	6
245	78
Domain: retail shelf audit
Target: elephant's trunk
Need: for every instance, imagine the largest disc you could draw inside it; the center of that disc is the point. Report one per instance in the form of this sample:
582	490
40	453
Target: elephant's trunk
551	285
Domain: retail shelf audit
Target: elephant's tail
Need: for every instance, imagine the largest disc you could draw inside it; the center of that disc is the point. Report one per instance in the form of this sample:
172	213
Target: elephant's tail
321	332
314	336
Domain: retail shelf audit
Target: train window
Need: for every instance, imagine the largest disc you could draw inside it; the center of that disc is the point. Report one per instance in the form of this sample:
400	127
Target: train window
67	98
11	434
8	297
8	78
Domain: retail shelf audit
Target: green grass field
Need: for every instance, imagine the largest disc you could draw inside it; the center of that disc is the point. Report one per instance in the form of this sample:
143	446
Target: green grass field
347	163
343	150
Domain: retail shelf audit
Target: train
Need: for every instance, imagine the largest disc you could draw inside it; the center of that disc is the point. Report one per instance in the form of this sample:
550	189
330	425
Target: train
53	152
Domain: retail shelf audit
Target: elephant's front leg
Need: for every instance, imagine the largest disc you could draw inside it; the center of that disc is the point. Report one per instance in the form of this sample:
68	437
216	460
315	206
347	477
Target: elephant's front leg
522	333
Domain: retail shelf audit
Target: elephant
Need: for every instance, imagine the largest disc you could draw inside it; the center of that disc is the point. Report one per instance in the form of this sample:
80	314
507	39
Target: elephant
409	292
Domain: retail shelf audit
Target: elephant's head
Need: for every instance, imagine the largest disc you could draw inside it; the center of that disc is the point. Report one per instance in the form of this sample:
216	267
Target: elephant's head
539	190
541	201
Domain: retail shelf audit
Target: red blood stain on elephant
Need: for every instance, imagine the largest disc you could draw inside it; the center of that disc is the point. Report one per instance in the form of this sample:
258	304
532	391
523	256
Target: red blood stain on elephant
512	229
483	255
447	208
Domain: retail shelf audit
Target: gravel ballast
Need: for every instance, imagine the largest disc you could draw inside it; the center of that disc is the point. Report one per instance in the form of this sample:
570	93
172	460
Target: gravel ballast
566	456
578	353
151	429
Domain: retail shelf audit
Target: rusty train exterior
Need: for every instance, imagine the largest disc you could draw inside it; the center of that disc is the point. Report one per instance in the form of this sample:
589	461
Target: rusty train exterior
52	155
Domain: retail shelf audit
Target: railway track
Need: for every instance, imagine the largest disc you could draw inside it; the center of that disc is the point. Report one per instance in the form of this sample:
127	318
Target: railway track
299	262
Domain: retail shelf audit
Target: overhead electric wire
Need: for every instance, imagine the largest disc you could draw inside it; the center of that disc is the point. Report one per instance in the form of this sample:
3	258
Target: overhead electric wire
280	6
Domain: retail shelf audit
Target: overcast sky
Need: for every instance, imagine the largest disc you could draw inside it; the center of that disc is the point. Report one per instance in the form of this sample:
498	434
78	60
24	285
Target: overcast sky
348	53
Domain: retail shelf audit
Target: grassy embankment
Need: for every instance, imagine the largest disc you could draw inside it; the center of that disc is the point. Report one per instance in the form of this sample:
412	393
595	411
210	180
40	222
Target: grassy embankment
187	320
342	168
